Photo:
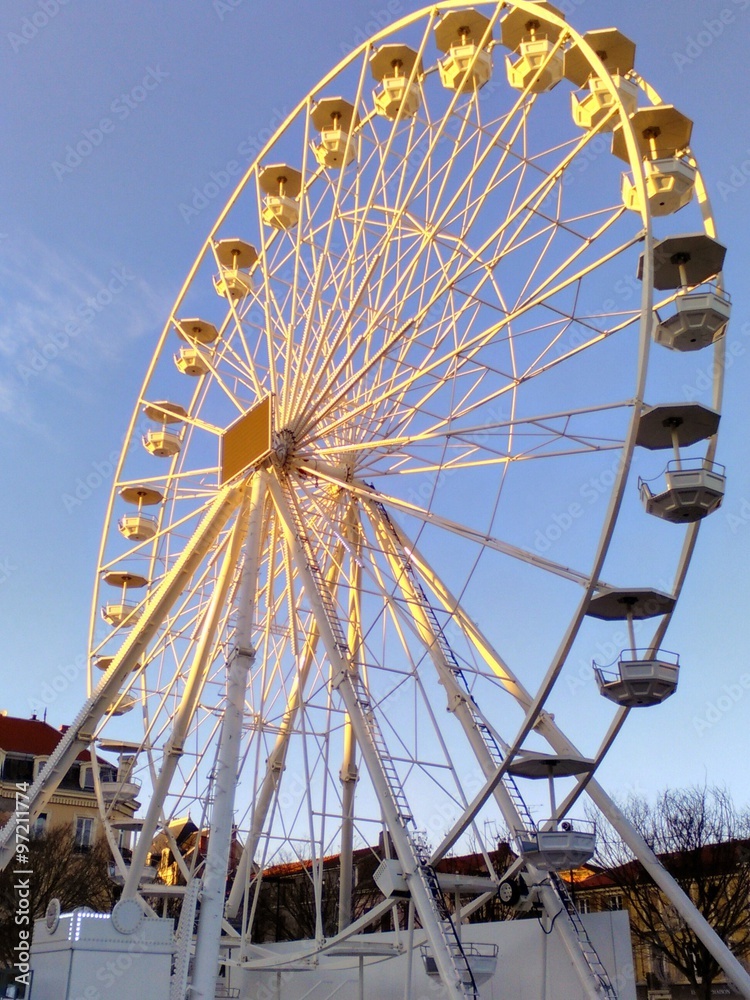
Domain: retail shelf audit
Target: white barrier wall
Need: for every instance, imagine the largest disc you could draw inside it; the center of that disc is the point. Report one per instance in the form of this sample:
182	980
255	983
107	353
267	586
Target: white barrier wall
83	956
531	965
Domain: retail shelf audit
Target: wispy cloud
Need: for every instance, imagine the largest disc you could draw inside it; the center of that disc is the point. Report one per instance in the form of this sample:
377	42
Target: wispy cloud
58	318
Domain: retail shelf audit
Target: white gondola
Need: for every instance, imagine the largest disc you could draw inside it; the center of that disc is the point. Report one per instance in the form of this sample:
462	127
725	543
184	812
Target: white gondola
282	185
235	258
139	527
336	120
463	36
591	110
120	707
539	60
558	846
160	441
190	361
118	874
683	263
559	842
123	612
393	66
663	135
700	319
694	488
640	678
120	789
593	105
482	959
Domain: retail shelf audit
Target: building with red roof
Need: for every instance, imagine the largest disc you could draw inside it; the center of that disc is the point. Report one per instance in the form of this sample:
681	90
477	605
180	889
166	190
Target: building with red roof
25	747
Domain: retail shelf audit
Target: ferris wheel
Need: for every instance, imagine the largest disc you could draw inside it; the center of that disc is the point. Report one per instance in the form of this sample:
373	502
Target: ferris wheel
392	478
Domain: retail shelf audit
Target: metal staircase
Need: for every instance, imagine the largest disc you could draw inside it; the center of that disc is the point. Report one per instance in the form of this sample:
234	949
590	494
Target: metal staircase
184	940
589	951
422	869
449	657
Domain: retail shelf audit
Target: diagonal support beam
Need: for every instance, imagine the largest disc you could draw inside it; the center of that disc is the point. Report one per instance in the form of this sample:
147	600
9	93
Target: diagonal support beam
473	724
240	662
81	731
451	962
562	745
276	761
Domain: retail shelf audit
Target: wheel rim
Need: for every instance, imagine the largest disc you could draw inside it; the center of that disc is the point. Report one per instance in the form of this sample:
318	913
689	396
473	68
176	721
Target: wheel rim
434	327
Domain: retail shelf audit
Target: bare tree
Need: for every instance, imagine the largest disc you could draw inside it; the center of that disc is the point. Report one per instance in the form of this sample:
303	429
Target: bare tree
703	841
59	871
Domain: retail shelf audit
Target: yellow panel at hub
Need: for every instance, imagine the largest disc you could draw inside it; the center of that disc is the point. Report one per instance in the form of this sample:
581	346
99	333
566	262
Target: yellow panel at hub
246	442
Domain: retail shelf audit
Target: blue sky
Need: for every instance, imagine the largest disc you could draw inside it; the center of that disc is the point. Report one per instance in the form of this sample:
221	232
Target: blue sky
165	102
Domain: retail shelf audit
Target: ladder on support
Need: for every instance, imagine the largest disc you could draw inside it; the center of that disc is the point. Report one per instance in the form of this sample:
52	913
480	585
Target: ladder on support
183	940
588	950
451	661
423	870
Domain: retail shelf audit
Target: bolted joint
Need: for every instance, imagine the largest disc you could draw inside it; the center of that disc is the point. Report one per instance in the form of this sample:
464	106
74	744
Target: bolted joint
284	444
455	700
349	774
244	651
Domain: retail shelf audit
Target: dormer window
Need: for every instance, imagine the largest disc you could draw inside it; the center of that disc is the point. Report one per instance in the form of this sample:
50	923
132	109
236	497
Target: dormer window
18	767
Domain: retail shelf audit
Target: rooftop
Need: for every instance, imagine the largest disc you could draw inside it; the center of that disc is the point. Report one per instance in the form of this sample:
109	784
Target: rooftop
33	737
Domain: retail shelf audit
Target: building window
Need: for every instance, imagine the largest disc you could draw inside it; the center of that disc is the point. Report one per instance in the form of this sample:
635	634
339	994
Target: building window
584	905
39	825
84	832
39	763
614	902
18	768
87	778
73	777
